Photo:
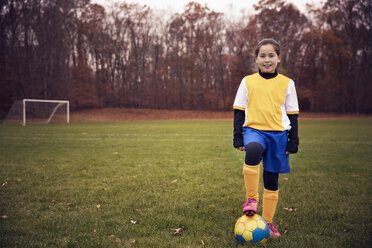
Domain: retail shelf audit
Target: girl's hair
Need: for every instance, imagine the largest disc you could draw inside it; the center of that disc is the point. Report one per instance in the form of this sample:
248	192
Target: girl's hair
268	41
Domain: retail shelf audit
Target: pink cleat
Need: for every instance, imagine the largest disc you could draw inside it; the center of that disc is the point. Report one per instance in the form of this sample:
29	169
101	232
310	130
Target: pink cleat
273	231
250	207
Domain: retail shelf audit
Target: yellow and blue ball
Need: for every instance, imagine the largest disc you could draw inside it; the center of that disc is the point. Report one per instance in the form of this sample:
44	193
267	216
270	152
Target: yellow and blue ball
251	229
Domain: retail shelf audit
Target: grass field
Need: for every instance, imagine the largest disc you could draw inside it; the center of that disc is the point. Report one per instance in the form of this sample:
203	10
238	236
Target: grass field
129	184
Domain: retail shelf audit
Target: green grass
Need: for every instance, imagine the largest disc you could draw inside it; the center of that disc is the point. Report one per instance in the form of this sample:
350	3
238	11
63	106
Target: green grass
170	174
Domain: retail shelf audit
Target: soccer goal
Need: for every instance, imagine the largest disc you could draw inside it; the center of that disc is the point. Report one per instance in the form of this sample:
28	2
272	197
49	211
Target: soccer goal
38	111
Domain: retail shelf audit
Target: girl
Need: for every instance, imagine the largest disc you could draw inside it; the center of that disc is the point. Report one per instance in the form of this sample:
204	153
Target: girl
266	128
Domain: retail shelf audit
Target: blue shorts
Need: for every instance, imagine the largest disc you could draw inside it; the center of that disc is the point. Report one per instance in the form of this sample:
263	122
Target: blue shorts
274	143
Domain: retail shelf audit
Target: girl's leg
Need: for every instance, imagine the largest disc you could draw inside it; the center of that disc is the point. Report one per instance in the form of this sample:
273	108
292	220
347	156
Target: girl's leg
270	200
251	173
251	170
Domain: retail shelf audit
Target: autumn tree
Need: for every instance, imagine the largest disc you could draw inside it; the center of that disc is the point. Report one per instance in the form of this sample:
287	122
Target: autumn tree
129	55
347	36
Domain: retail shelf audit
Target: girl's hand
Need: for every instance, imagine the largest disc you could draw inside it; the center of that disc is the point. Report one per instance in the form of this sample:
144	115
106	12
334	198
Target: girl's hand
241	148
292	147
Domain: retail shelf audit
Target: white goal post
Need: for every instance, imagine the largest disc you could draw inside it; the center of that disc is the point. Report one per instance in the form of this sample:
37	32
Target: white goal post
58	102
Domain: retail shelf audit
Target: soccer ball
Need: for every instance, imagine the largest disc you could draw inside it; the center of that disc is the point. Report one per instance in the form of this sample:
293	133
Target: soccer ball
251	229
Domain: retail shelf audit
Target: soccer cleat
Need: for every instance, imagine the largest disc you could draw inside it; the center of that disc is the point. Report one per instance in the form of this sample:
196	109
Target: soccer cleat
273	231
250	207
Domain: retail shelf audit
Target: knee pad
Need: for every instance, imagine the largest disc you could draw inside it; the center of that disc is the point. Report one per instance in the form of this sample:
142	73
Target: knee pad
253	153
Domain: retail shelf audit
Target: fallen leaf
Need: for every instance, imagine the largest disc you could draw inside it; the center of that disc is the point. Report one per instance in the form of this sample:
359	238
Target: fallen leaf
285	232
94	230
53	201
174	181
285	179
133	222
202	242
133	242
68	203
118	240
84	171
4	216
111	236
19	180
164	185
290	209
115	153
98	206
177	230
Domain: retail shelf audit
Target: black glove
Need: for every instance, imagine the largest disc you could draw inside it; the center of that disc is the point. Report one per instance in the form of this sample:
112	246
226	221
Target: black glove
239	118
293	140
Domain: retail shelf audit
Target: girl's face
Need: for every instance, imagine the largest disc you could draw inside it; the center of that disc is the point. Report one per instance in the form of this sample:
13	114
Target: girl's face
267	59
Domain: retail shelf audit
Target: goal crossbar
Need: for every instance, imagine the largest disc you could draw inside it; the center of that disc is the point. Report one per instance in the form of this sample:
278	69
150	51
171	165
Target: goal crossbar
60	103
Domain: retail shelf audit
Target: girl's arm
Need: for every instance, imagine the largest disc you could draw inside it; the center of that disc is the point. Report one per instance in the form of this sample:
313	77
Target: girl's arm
239	106
291	106
239	117
293	140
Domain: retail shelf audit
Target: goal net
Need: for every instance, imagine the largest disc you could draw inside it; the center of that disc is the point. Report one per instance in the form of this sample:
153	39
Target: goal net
28	111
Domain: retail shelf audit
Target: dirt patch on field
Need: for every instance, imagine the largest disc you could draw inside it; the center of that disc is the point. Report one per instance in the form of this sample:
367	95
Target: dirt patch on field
127	114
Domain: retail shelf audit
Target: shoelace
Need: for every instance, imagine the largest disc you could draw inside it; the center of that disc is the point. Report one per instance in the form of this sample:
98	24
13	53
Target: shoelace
250	200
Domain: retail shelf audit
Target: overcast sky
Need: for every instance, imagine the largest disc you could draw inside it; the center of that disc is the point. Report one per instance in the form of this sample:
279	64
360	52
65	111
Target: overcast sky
225	6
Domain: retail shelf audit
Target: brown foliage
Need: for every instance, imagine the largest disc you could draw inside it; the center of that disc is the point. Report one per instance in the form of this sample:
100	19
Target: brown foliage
131	56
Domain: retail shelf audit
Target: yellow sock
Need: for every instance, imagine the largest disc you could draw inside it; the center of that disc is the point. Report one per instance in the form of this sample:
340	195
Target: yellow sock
270	200
251	179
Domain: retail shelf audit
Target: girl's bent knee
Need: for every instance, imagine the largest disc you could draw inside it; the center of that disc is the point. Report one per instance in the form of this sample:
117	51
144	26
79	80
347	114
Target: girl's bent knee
253	153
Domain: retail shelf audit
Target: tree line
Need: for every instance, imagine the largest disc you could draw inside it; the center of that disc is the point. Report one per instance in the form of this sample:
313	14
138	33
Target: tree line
129	55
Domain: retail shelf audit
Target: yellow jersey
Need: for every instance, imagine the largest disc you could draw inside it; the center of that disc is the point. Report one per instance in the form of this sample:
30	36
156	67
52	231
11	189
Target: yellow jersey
267	102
